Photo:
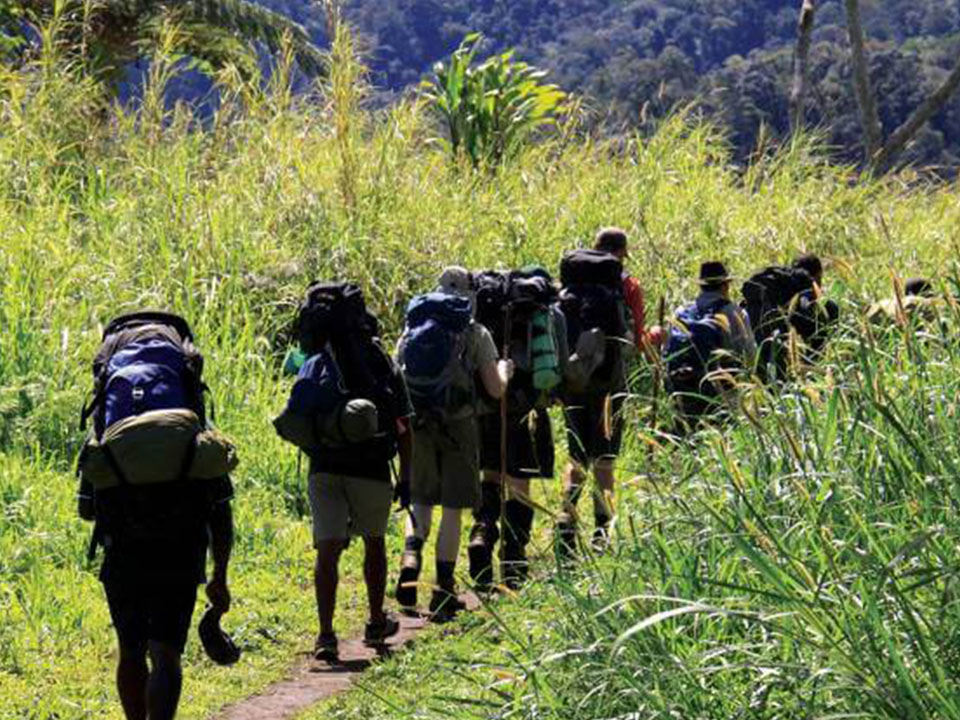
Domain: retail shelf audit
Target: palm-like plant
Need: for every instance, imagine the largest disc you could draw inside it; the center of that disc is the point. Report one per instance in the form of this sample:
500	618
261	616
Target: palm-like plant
114	32
492	109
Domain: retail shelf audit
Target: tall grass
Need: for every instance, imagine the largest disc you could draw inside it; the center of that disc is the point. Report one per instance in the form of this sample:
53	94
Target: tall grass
801	563
814	542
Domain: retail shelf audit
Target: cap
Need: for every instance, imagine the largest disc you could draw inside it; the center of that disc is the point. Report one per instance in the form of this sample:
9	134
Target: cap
456	280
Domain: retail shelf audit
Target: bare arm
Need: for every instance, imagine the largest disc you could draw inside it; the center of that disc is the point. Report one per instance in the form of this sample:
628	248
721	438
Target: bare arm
220	528
495	377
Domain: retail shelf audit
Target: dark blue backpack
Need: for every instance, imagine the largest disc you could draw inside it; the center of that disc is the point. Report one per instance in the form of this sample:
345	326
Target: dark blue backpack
432	355
145	375
695	336
147	361
319	388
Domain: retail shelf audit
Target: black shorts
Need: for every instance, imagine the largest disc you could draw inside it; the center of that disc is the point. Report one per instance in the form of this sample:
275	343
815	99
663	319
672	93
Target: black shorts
530	452
158	612
589	436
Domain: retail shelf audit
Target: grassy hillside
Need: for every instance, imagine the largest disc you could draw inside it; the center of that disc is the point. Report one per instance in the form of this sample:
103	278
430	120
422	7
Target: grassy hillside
815	535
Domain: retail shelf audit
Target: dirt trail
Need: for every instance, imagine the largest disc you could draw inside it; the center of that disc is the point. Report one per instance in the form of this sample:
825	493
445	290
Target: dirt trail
313	681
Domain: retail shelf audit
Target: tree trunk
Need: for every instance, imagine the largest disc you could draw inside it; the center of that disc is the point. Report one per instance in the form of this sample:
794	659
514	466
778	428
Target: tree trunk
801	62
861	80
903	134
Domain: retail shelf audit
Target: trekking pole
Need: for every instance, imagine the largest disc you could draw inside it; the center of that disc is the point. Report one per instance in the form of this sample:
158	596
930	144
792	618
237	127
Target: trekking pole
507	332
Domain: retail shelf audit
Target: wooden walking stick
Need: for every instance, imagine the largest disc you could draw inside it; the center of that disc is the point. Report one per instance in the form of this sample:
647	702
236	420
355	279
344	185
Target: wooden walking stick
507	332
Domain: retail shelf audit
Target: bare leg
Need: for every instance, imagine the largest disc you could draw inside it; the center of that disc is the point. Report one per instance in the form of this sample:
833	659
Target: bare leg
166	682
375	575
132	676
326	579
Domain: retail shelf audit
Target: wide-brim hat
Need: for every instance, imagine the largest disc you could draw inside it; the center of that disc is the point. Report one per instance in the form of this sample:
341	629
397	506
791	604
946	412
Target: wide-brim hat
714	273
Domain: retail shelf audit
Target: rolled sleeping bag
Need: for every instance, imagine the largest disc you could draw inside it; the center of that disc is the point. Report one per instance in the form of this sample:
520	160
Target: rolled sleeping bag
153	447
356	421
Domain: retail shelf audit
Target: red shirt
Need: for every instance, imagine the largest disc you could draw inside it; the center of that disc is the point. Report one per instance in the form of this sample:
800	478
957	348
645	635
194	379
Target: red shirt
633	296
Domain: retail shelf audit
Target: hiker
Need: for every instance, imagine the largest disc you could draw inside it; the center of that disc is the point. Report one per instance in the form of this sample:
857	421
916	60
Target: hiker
349	412
154	478
917	301
614	241
443	352
516	436
709	341
780	299
600	330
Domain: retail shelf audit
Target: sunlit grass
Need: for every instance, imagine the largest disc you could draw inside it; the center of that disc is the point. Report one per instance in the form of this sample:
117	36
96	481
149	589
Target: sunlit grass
812	546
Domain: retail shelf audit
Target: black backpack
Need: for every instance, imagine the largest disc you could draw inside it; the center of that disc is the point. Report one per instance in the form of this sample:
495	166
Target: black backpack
332	310
520	296
146	361
591	267
592	297
767	296
336	313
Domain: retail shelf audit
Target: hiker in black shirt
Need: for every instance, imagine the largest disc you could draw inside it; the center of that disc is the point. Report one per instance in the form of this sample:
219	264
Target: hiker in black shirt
155	540
154	478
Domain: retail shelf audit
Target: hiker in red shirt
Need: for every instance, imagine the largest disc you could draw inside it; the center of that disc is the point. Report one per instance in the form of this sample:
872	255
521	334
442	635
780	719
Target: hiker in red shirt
613	240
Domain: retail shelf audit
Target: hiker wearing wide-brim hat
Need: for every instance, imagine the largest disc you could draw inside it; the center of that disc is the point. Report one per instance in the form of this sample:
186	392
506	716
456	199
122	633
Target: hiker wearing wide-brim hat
714	274
710	341
715	281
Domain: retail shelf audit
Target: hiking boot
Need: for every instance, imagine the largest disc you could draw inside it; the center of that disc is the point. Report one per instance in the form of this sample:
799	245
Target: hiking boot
484	536
480	557
377	633
406	592
407	588
326	648
444	605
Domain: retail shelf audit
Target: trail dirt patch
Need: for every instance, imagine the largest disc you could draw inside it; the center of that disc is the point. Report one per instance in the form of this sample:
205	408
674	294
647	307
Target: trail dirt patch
313	681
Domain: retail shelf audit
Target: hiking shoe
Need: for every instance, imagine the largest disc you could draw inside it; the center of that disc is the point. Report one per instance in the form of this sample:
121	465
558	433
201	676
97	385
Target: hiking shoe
444	606
326	648
377	633
407	588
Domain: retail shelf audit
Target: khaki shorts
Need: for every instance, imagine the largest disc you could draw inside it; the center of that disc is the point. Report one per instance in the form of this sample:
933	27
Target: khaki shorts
446	465
342	506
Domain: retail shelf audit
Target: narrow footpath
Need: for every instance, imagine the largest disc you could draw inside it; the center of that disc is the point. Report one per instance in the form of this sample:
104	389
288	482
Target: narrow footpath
312	682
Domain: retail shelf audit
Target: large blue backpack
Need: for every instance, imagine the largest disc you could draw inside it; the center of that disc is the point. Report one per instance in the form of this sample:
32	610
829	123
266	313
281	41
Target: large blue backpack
432	356
695	337
147	361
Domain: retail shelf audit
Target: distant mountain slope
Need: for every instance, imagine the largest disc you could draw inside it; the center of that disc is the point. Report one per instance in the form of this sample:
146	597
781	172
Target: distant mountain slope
638	58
